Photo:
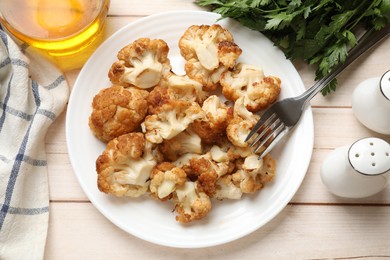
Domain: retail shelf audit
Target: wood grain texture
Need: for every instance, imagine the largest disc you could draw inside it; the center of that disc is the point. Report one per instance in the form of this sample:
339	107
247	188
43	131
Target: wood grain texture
298	232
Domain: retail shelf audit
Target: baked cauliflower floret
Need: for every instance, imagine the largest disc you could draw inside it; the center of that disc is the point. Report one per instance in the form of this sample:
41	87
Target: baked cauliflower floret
249	81
164	180
158	97
208	78
227	189
124	167
242	123
210	45
191	203
185	142
183	162
117	111
236	152
184	87
207	171
209	51
254	173
176	87
141	63
213	127
170	120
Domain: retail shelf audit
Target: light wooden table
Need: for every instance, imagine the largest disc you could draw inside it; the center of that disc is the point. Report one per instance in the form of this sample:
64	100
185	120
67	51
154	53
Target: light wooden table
314	225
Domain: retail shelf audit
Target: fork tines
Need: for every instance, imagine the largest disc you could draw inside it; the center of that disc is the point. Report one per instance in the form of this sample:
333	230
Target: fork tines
267	131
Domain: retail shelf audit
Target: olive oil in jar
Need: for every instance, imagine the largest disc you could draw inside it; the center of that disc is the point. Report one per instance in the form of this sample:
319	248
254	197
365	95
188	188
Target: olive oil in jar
67	30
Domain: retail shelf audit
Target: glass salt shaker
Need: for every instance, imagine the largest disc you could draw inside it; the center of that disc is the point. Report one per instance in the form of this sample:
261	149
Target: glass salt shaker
359	170
371	103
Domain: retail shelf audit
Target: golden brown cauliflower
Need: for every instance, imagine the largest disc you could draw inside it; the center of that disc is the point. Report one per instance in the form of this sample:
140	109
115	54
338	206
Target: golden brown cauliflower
176	87
170	120
213	127
249	81
164	180
124	167
185	142
208	78
207	171
242	123
209	51
202	170
141	63
236	152
252	173
117	111
158	97
227	189
191	203
184	88
248	174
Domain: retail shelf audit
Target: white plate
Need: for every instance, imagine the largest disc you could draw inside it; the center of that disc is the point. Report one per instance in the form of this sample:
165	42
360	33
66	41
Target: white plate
154	221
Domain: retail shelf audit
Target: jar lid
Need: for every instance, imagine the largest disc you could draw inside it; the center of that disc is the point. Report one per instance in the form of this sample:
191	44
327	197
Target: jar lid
384	84
370	156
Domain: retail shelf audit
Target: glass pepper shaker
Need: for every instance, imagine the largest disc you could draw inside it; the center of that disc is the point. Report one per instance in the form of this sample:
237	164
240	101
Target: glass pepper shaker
359	170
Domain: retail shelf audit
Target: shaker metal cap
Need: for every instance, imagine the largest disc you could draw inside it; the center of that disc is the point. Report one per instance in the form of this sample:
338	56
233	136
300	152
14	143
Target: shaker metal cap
385	84
370	156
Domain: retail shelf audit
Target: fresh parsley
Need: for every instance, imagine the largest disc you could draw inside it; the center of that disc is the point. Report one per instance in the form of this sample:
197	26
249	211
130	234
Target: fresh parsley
318	31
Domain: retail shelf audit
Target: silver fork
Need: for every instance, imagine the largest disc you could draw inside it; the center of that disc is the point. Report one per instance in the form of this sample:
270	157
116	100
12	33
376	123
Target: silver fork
285	114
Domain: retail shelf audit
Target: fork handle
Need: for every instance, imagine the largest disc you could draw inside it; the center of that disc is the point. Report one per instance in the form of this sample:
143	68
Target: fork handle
369	39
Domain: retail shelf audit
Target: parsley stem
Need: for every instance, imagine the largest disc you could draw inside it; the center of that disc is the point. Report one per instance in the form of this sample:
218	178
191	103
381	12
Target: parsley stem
362	14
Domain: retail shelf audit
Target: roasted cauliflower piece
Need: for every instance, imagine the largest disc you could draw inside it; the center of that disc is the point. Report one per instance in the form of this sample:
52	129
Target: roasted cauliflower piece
213	127
141	63
236	152
202	170
191	203
124	167
164	180
158	97
209	51
227	189
184	88
170	120
175	87
249	81
185	142
242	123
183	162
208	78
116	111
207	171
210	44
254	173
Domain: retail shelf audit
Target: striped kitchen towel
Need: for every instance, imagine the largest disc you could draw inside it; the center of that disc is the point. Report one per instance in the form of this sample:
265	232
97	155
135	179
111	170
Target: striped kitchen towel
32	95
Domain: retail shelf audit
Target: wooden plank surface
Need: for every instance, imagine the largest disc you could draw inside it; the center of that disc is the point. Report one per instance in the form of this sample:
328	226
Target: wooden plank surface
315	225
298	232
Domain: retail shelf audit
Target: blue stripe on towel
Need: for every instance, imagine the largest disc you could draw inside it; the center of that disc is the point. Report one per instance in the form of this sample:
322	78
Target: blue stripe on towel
19	62
27	211
55	83
26	116
47	113
26	159
5	62
19	159
4	106
16	112
4	38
